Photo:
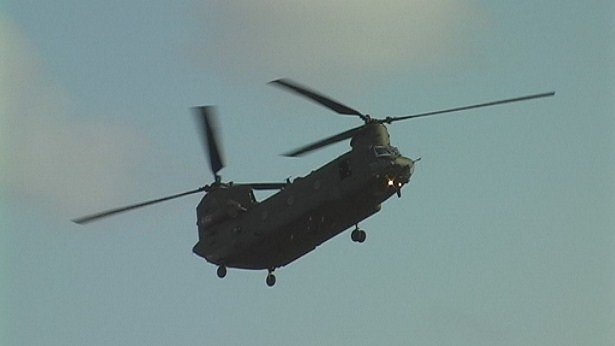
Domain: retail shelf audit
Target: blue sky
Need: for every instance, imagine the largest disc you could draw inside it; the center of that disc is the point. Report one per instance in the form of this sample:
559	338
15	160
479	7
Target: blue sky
503	236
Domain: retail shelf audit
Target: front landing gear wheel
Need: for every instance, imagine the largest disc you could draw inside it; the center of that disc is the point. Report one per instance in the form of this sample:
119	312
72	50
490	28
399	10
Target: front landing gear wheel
221	271
358	235
354	235
270	278
362	236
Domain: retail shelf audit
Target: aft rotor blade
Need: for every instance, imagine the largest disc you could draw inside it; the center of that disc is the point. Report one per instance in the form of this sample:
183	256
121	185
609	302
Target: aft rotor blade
209	129
316	97
324	142
264	186
456	109
94	217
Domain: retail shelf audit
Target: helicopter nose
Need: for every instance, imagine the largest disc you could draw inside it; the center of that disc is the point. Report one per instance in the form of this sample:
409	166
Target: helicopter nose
404	167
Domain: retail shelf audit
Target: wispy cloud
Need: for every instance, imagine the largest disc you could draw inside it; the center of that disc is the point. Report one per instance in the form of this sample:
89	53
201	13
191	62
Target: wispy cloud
334	37
46	151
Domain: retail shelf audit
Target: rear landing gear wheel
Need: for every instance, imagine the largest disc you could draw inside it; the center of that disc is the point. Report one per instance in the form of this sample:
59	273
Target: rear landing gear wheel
270	278
221	271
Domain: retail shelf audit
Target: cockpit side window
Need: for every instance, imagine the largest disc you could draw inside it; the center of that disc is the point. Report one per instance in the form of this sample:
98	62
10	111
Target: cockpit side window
385	151
381	151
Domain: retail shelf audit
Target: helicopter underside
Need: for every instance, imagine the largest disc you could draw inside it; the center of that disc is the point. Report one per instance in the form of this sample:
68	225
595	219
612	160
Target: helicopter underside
286	244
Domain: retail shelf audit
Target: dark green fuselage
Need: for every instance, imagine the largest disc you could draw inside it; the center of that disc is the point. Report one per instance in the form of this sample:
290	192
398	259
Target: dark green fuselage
237	231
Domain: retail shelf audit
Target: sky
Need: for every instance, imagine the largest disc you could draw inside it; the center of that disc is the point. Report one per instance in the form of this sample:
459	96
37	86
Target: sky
504	235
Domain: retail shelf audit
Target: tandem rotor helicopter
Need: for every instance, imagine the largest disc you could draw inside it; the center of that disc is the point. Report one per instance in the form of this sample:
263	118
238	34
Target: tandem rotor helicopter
237	231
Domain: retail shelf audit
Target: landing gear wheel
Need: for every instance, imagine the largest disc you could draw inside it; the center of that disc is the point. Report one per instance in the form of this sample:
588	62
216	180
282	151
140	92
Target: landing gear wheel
361	236
354	235
270	280
358	235
221	271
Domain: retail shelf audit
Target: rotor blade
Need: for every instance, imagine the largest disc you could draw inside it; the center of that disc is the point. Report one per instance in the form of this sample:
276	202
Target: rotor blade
456	109
94	217
264	186
208	126
316	97
324	142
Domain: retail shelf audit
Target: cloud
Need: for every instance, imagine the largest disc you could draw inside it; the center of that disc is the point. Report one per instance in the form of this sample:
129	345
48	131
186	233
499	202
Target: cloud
334	37
46	151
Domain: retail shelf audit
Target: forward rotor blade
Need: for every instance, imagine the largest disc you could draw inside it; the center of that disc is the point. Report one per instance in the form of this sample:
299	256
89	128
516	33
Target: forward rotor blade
208	126
389	120
324	142
94	217
316	97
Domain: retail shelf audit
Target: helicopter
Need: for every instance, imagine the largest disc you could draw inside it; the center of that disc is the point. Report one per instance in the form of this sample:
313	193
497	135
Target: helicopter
237	231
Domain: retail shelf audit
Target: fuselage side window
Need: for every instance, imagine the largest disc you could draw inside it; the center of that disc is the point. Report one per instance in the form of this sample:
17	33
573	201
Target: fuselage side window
344	169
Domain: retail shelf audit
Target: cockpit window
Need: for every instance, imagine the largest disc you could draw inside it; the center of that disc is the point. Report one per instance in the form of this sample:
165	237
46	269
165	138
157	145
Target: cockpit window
385	151
381	151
